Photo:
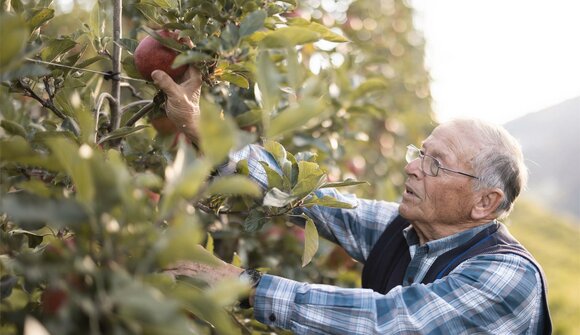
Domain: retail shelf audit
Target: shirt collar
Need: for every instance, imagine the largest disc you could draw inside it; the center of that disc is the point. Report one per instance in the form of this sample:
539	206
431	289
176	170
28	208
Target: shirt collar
446	243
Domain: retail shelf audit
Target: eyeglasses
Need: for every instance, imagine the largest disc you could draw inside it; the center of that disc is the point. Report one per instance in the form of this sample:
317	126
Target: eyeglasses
429	164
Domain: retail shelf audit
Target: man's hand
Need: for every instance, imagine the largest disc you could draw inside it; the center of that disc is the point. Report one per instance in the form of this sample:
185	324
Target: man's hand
211	273
182	104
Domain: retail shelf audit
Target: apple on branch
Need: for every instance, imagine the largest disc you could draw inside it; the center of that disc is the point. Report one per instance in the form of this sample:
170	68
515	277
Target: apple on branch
151	55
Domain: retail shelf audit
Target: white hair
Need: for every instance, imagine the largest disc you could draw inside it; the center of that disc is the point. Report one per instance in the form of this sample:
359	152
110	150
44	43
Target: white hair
499	162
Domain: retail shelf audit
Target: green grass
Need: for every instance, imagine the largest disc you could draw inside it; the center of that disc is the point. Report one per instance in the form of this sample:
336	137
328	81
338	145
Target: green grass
555	242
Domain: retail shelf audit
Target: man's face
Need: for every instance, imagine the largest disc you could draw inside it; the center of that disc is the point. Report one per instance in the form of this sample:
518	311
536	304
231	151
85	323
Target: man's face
448	197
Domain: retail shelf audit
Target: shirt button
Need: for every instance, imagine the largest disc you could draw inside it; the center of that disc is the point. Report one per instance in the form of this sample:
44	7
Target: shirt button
272	317
409	279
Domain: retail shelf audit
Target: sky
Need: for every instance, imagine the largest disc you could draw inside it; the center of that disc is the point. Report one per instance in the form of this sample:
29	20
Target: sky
500	59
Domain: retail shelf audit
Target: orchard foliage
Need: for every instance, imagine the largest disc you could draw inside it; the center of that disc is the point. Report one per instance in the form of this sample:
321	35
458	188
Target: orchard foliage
99	192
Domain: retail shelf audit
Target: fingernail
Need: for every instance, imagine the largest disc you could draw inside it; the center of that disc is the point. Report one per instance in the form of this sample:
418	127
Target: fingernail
155	74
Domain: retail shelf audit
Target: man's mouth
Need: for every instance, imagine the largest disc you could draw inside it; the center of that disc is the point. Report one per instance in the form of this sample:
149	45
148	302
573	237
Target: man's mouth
409	190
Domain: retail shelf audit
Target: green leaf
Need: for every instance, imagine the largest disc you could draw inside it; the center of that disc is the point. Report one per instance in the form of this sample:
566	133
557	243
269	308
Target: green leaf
183	177
217	132
255	220
150	12
18	150
327	201
13	128
234	185
181	242
251	117
278	198
166	41
7	283
129	67
235	79
56	47
242	167
310	241
37	187
289	36
121	132
282	157
129	44
13	34
190	57
371	85
294	70
95	22
310	177
30	211
275	180
268	80
33	239
294	117
324	32
24	70
89	61
39	17
252	23
347	182
77	167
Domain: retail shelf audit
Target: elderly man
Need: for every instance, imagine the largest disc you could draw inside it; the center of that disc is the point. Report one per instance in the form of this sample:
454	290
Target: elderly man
437	263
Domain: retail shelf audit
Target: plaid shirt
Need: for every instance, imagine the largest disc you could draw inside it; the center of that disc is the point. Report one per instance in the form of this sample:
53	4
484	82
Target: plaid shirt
487	294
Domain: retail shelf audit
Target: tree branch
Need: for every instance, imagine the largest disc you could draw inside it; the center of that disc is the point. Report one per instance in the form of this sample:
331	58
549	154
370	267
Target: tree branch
115	83
48	104
140	113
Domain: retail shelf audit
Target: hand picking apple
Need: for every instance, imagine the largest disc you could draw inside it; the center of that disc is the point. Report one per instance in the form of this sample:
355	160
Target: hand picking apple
182	105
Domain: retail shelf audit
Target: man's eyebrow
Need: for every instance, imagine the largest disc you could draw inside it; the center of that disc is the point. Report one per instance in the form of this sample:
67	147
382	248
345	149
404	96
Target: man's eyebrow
435	153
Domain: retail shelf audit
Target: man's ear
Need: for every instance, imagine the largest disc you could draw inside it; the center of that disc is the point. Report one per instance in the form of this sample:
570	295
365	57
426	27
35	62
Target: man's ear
486	203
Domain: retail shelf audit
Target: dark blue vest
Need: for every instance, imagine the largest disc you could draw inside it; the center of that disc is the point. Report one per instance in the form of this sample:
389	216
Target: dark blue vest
388	260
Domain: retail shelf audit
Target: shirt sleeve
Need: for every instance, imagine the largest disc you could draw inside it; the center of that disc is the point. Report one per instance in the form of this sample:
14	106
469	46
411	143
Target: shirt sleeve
498	294
355	230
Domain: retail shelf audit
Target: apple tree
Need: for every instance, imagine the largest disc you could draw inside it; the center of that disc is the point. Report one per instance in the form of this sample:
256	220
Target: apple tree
99	192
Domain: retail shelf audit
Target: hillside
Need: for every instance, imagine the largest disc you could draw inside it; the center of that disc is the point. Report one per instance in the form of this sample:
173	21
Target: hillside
555	242
550	140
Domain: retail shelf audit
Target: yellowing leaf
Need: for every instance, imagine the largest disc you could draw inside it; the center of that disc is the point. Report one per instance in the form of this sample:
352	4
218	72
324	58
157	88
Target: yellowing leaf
209	244
236	260
310	241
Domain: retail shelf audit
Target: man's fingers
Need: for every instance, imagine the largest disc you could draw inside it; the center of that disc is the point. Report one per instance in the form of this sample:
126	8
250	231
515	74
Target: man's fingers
166	84
192	80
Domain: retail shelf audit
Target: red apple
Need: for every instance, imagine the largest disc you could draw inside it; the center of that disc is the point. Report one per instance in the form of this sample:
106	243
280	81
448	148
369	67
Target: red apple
150	55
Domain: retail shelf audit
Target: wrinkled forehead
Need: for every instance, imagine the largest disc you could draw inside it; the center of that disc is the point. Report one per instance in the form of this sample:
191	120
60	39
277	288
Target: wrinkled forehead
452	142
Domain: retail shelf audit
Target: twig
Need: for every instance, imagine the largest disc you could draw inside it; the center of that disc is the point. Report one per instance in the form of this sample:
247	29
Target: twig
140	113
45	103
97	111
135	103
115	83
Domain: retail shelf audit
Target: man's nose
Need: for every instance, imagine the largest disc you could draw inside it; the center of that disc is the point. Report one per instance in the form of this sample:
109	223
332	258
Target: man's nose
413	168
